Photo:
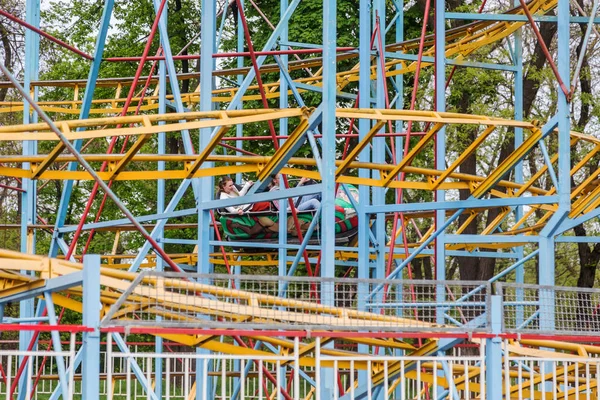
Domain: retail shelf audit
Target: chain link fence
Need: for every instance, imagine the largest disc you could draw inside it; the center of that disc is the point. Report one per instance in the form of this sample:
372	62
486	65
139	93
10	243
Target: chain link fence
549	309
169	299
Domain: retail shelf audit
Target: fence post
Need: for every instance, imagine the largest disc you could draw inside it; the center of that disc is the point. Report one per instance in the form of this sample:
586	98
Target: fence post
493	350
91	318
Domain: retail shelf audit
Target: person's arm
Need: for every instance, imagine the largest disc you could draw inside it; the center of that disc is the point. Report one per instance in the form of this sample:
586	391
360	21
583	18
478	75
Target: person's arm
246	187
231	209
303	180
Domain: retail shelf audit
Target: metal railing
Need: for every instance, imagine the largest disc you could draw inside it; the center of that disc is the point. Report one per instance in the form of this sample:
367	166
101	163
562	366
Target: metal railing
549	309
168	299
312	369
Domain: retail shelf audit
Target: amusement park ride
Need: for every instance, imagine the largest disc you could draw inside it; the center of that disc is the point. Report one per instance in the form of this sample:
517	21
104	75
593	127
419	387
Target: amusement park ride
342	316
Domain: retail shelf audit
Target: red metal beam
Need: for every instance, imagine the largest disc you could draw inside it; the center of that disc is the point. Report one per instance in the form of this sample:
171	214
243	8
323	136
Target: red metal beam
46	35
545	49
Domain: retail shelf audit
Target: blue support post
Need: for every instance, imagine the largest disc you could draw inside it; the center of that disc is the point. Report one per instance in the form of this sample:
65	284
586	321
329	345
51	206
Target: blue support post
239	129
328	175
91	319
364	101
160	206
379	155
283	131
60	361
440	165
518	78
206	87
28	196
379	144
206	184
547	248
546	277
493	350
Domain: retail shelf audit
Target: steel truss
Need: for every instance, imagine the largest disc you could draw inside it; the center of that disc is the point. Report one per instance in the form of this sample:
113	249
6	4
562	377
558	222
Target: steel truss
389	142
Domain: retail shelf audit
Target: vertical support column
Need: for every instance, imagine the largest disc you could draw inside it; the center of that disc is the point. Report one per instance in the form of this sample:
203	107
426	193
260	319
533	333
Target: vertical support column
328	142
518	76
364	101
60	361
493	352
400	78
91	318
160	205
379	145
206	87
399	126
283	131
440	149
547	248
328	173
206	187
239	128
564	121
546	270
28	196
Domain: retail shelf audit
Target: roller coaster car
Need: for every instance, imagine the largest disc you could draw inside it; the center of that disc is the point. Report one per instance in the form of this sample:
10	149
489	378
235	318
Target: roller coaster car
263	226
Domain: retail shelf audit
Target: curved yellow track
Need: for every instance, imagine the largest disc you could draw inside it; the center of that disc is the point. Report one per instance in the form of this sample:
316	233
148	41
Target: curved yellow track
159	296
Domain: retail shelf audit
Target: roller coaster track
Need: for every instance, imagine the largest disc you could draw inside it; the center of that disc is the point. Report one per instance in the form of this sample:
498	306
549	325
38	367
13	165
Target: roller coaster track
134	165
461	42
124	295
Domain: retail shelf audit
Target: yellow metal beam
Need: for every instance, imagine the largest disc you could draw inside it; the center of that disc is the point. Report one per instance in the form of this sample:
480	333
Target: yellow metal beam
359	147
296	135
468	151
39	169
214	141
133	150
507	164
406	160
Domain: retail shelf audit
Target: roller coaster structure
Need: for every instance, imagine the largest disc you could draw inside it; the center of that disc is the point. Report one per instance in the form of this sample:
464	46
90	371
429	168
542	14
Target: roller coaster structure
379	334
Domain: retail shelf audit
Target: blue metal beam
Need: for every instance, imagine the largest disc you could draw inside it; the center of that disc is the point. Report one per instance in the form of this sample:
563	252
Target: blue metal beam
469	203
60	361
90	373
263	196
124	221
491	239
517	18
578	239
29	194
327	112
440	150
207	84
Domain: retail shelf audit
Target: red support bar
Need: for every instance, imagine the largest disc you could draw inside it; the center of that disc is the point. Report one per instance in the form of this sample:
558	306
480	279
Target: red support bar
351	334
16	189
545	50
45	328
46	35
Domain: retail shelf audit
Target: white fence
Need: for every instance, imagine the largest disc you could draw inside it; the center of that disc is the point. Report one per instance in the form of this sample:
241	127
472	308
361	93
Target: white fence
314	369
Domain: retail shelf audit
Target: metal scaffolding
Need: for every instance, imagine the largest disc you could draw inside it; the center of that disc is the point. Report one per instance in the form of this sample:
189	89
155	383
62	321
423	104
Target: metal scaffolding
364	226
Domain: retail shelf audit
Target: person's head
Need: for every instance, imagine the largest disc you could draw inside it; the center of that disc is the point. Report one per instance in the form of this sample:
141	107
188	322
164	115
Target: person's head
274	182
226	185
